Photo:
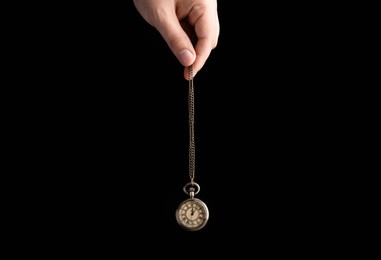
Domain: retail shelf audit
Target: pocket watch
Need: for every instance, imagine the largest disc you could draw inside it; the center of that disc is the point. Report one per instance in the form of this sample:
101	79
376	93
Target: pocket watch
192	214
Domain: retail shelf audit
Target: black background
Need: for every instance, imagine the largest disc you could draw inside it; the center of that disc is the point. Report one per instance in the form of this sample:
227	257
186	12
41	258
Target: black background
102	125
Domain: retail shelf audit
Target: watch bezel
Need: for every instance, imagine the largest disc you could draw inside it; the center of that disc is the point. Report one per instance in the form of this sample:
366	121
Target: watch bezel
206	214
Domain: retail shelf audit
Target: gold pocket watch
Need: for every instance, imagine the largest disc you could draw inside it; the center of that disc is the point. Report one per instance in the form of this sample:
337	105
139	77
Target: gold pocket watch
192	214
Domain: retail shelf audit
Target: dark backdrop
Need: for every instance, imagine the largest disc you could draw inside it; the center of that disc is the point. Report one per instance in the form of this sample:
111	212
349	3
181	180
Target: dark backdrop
104	129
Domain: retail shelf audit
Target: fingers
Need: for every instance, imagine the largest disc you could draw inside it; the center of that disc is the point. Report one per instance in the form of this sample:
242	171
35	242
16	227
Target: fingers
162	15
207	30
203	48
177	40
190	28
203	51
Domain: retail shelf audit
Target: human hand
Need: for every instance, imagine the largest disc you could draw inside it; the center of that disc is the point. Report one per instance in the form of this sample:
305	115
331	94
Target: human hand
190	27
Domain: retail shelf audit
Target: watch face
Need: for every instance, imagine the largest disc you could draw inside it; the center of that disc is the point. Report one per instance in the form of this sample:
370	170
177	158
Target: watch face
192	214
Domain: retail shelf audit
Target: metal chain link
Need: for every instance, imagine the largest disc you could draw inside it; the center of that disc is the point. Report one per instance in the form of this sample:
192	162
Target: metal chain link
192	156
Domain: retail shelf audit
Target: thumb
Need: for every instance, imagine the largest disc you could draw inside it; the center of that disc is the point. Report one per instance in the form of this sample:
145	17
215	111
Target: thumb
177	40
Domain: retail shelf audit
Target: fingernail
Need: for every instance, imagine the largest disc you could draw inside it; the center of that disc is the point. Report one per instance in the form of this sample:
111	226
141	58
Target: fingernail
185	57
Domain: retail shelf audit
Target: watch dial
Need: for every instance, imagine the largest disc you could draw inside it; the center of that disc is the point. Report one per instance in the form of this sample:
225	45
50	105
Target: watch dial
192	214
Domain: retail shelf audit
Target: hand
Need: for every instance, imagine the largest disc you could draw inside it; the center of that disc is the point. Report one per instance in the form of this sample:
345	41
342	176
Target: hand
190	27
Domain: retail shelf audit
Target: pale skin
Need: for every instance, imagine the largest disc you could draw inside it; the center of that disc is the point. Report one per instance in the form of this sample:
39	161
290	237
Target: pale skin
190	28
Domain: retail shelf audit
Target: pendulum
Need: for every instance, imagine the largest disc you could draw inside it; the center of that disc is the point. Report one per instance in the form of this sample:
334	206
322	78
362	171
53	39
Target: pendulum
192	214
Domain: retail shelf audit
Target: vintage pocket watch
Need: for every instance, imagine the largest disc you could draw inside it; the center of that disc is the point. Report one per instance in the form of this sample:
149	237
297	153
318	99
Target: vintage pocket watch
192	214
